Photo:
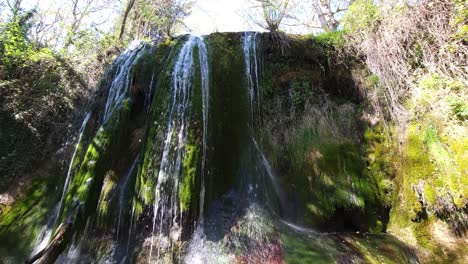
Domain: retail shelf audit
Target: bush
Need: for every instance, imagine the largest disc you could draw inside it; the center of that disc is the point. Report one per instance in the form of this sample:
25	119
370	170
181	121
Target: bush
362	15
331	38
39	95
459	108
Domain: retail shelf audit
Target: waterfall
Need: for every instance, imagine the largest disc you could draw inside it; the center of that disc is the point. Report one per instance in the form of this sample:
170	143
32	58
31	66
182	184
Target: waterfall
119	87
203	56
46	232
70	166
269	171
162	142
123	187
251	70
250	56
166	207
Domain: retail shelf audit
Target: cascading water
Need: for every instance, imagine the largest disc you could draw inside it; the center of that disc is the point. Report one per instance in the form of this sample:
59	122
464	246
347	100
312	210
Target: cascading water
276	186
123	188
119	87
70	166
166	217
239	222
46	232
203	57
251	70
117	92
239	216
250	43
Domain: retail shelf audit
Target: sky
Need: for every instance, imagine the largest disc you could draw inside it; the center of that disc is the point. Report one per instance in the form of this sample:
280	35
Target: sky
210	16
207	16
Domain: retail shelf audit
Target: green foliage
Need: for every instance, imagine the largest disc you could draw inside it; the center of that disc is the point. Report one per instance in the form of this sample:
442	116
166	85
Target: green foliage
362	15
38	94
432	81
460	20
458	107
331	38
156	19
298	91
14	47
452	91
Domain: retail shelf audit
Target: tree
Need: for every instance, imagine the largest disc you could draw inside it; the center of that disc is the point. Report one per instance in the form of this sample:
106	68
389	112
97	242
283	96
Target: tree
80	11
59	24
153	18
272	15
268	14
328	10
129	7
14	6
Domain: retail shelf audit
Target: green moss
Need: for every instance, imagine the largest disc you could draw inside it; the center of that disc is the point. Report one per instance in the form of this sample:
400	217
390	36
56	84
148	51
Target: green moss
423	235
298	251
380	153
106	195
380	249
191	165
447	174
188	180
333	176
21	223
425	157
229	112
165	55
80	185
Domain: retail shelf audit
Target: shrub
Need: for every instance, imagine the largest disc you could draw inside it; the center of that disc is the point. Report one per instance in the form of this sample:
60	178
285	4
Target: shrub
362	15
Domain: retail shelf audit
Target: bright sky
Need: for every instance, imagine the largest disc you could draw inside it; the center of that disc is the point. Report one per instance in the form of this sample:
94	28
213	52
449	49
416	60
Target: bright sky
207	16
210	16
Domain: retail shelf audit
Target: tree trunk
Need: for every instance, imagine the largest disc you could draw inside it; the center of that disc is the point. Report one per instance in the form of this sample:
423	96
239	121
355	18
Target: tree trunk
328	14
127	11
321	16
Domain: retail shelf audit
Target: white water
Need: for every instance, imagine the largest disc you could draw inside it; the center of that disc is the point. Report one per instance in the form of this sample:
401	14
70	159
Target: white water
166	208
122	193
250	52
203	56
203	251
119	87
70	167
300	229
269	171
252	228
43	238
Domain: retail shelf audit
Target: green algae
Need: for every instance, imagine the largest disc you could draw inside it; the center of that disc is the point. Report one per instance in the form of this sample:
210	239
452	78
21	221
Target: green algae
229	113
186	191
154	137
334	176
21	222
106	196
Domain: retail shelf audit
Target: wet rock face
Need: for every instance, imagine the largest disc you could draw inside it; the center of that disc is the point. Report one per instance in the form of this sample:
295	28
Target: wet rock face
195	153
